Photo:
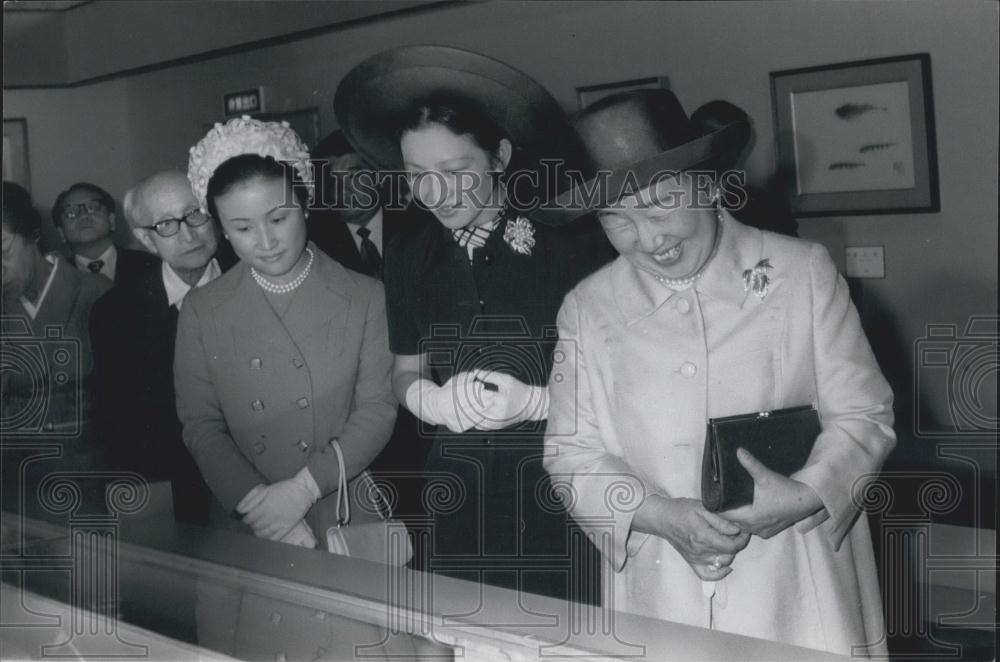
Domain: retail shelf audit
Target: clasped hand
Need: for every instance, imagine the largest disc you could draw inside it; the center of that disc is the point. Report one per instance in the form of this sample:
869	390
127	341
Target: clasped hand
707	542
778	501
480	399
275	510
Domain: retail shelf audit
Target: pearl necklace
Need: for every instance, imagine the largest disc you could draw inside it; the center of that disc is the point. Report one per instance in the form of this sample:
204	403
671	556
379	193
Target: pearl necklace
291	285
687	280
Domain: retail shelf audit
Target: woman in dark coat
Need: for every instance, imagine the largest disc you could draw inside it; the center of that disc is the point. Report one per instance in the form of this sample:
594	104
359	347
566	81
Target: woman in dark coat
472	299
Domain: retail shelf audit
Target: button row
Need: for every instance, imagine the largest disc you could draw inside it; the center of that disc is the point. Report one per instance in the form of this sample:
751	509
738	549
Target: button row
256	363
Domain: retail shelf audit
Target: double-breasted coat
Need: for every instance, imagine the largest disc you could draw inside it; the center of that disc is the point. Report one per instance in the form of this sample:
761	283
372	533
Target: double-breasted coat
653	364
260	396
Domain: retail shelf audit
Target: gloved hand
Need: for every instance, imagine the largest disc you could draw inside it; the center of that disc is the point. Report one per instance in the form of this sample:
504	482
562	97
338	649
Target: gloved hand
301	535
272	510
514	401
459	404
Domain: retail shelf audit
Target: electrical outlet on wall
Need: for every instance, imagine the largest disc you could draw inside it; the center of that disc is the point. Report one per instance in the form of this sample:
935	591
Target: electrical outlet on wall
865	261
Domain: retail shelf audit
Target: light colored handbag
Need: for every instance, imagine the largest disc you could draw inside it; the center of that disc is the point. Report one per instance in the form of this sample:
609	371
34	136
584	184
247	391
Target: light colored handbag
385	541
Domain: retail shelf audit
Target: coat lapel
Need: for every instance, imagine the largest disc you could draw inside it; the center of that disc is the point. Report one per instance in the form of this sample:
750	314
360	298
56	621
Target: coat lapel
254	327
740	248
318	316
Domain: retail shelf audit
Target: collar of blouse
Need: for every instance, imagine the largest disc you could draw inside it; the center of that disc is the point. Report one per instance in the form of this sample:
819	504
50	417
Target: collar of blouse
639	294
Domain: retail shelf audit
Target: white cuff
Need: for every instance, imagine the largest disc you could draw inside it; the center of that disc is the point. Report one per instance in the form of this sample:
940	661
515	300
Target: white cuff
305	479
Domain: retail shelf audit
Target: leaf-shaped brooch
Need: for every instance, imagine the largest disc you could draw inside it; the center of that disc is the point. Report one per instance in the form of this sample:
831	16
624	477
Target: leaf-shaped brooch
756	279
520	235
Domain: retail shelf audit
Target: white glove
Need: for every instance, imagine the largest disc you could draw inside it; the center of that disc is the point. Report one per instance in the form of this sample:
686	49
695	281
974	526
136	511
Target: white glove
459	404
514	401
300	535
273	510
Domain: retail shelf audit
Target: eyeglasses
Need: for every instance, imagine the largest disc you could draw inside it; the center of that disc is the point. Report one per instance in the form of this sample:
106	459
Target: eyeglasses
71	212
168	227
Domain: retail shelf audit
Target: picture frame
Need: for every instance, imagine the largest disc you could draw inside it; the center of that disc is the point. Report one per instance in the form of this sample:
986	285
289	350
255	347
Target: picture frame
590	93
857	137
304	122
16	167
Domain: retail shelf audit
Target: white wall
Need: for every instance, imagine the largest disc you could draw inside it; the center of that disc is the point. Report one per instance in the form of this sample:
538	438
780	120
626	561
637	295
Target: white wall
75	134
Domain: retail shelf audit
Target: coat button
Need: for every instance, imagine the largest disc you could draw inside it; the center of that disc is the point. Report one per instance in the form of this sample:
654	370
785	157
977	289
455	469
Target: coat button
482	302
303	445
683	307
275	618
689	370
297	362
255	363
488	258
280	657
259	448
302	403
257	405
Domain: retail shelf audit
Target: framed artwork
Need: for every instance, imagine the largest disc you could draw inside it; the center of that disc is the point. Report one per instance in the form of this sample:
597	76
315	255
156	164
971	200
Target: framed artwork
857	137
304	122
15	152
591	93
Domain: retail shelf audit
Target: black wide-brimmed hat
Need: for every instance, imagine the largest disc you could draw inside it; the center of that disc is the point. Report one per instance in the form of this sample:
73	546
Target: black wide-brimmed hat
631	140
374	97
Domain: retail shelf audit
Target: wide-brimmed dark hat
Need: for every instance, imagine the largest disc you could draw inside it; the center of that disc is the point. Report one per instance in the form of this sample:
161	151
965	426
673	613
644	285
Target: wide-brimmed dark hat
374	96
632	140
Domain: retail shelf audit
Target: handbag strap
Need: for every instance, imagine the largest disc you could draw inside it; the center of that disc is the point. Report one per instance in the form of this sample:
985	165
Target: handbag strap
343	509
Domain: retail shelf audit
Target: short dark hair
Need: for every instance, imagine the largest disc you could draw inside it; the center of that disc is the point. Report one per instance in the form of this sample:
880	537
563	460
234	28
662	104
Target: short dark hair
457	114
103	196
246	167
19	213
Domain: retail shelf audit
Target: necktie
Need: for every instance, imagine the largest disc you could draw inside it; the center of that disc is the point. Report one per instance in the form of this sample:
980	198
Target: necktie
96	266
370	258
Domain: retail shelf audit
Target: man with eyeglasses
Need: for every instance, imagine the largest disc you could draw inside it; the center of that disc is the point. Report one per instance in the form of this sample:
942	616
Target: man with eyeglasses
84	215
133	329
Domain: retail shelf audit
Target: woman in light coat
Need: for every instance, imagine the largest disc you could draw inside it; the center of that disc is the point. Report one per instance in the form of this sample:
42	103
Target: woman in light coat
702	317
285	352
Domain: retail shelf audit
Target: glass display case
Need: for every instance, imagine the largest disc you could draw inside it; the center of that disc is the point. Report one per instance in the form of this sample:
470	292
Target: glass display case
82	582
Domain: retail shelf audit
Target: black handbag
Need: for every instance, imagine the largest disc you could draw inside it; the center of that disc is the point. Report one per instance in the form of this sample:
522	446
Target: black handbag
781	439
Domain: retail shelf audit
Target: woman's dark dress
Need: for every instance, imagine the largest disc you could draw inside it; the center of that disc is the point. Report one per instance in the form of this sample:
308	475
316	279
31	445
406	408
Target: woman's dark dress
492	513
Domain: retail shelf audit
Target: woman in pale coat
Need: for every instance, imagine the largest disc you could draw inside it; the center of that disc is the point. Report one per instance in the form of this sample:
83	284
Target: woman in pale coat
702	317
285	352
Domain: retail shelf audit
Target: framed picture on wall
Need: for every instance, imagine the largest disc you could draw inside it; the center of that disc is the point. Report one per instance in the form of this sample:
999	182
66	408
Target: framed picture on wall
15	152
304	122
857	137
589	94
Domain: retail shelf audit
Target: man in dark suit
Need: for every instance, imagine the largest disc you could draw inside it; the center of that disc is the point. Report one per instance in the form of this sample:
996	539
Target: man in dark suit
84	216
133	329
350	225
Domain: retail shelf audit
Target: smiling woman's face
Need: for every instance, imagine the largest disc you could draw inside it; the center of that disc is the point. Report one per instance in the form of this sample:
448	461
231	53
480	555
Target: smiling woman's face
265	224
452	175
661	229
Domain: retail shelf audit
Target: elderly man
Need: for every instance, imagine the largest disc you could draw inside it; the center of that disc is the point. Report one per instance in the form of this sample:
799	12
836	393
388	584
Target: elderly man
133	329
84	215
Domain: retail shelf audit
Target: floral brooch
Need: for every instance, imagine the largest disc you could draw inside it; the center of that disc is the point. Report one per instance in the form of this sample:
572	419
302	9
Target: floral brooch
520	235
756	279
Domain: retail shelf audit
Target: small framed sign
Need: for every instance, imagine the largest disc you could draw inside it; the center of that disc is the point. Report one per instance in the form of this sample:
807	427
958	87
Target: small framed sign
245	102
